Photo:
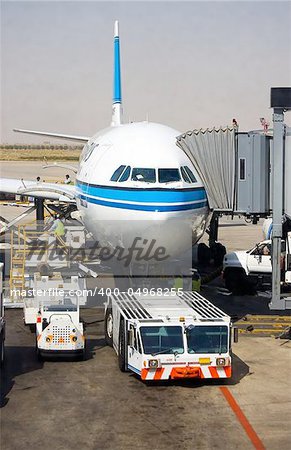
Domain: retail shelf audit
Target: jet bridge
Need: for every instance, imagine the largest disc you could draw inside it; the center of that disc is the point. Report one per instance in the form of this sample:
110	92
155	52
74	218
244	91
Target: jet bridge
234	167
249	174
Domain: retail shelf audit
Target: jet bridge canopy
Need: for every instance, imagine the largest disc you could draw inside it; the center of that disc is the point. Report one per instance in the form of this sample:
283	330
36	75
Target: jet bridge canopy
212	152
234	167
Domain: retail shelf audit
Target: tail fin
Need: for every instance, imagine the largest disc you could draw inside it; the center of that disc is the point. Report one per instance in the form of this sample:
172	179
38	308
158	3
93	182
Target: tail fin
116	101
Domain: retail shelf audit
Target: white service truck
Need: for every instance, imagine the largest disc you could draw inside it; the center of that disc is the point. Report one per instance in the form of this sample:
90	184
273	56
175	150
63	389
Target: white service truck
162	337
244	270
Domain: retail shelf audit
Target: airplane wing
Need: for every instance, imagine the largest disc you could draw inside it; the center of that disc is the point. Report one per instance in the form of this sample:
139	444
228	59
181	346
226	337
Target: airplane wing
53	191
56	135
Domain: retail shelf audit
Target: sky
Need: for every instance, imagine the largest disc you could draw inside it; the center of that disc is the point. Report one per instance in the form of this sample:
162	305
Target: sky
184	64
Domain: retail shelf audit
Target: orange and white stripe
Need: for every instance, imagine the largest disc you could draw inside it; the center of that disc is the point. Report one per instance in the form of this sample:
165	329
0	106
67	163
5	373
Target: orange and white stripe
165	373
215	372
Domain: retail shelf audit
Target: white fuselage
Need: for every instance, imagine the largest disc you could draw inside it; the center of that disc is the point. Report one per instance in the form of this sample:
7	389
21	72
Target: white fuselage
116	212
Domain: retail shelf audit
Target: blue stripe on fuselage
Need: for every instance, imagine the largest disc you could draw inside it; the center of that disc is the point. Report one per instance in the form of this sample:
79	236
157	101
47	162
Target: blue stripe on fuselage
143	207
150	195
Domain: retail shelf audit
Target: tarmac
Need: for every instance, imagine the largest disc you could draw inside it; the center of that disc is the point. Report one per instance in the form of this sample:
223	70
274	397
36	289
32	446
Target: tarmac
66	404
92	405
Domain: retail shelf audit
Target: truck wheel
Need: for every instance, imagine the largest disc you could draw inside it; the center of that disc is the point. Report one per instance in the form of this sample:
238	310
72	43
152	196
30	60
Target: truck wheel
235	281
2	349
108	327
121	347
82	356
38	354
32	327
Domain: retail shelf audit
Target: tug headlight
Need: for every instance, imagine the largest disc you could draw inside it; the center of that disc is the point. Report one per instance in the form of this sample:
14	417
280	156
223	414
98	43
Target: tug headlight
153	363
48	339
220	361
74	338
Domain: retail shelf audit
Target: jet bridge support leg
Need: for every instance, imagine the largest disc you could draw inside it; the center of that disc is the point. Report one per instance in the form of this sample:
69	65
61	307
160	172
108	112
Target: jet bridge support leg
278	119
217	250
280	101
39	209
213	229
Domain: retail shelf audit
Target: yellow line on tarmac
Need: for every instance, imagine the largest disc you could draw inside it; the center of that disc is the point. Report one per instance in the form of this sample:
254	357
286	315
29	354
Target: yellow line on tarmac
276	318
271	324
260	330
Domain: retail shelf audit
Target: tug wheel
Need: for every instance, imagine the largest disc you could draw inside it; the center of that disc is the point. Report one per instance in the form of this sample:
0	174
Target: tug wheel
2	349
121	347
108	327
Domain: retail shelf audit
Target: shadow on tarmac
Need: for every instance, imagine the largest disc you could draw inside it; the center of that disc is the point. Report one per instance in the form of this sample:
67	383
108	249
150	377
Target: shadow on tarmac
238	306
20	360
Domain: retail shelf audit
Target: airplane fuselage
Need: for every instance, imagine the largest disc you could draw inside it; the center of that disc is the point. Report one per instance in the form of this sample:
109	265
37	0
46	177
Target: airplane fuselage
132	183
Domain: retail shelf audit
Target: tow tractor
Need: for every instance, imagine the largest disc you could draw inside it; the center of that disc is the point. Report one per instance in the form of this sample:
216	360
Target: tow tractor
59	329
181	335
54	313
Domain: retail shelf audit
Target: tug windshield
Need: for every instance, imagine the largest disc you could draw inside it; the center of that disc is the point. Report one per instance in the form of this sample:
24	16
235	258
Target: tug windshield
207	339
162	339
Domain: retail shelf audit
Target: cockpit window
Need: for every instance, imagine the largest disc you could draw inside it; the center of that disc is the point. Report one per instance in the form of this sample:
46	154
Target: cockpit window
145	175
184	175
87	151
188	175
125	174
121	174
168	175
117	173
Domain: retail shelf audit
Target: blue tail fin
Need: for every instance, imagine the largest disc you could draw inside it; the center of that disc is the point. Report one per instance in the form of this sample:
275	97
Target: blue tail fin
117	105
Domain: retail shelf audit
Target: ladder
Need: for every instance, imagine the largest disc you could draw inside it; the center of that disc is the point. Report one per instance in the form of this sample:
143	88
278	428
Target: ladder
25	249
17	265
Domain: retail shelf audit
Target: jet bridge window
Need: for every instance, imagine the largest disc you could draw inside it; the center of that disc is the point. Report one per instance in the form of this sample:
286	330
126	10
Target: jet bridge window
168	175
144	175
188	175
242	169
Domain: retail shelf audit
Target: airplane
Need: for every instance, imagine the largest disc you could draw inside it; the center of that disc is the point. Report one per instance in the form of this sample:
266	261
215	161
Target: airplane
132	180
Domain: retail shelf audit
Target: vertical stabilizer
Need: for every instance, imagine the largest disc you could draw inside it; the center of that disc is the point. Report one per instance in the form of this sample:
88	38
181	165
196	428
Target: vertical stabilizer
116	101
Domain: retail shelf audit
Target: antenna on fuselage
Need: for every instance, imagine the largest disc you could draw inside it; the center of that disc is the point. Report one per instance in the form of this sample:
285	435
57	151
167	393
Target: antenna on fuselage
116	101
